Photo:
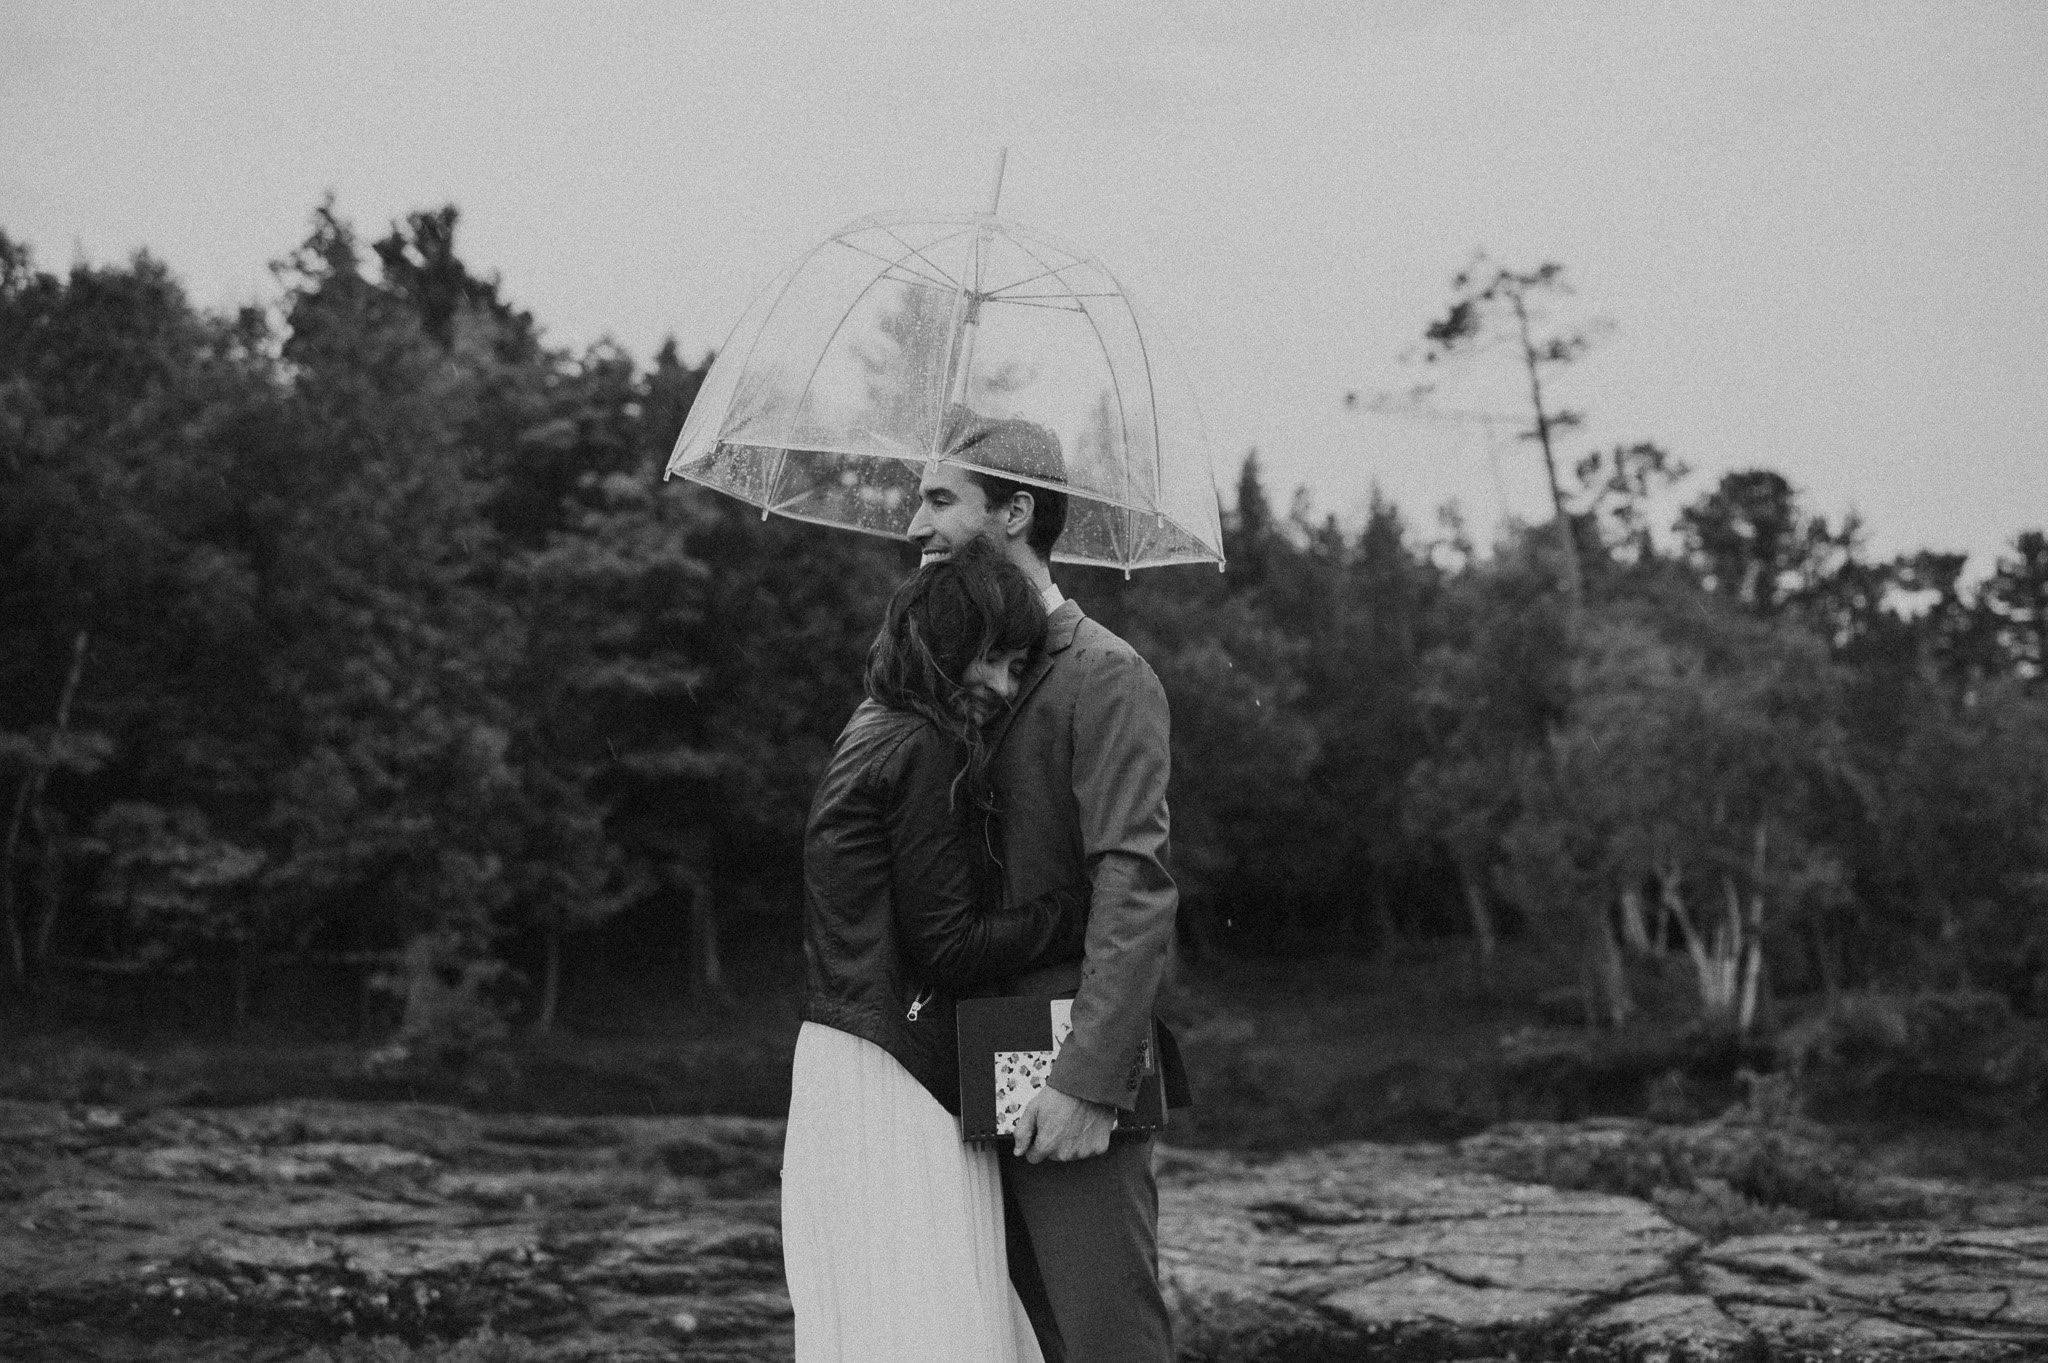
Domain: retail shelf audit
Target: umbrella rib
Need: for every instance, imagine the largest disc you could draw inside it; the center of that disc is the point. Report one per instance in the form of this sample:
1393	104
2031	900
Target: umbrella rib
937	268
1052	270
915	280
897	264
804	393
780	509
755	344
1049	307
896	535
1190	534
1027	297
1185	531
1158	454
1122	417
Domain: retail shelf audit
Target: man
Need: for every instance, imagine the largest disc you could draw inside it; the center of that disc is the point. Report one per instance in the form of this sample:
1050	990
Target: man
1082	765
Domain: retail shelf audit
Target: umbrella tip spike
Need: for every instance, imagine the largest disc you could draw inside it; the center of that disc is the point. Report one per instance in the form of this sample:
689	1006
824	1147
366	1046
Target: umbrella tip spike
764	513
995	193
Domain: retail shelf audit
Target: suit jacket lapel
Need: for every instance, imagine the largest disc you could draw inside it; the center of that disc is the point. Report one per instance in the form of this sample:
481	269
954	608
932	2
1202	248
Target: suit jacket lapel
1060	629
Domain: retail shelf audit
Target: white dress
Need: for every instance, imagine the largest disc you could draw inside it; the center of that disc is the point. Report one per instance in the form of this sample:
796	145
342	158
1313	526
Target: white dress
892	1227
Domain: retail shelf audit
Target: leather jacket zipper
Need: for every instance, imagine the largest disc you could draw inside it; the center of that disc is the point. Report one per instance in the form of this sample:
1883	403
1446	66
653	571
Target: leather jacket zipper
917	1005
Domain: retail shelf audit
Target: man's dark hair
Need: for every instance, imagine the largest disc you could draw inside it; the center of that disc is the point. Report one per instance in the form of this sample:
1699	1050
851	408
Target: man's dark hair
1048	508
1018	447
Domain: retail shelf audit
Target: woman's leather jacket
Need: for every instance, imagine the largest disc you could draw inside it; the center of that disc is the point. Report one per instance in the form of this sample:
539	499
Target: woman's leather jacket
900	917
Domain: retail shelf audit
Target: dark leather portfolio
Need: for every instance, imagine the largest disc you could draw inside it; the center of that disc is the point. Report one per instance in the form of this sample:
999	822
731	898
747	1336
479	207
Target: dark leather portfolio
1007	1046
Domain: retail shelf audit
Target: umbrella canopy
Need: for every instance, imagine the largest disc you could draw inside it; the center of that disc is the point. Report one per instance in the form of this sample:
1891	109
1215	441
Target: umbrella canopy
899	341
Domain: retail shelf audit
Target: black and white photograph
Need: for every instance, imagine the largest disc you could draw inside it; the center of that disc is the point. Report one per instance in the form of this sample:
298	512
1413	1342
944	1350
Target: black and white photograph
1075	682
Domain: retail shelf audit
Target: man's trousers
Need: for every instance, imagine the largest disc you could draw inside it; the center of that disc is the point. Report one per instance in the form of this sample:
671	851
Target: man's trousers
1084	1254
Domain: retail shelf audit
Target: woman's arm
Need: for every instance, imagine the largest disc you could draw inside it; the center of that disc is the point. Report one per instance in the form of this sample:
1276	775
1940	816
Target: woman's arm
954	938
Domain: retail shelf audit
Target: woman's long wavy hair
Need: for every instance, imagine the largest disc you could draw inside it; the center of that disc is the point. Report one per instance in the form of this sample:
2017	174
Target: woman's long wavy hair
947	614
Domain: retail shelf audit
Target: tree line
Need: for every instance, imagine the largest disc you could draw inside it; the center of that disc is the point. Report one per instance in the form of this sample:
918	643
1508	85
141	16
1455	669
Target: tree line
361	625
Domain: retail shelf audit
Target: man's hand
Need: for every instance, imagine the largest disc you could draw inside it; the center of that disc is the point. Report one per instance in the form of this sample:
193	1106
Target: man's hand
1059	1126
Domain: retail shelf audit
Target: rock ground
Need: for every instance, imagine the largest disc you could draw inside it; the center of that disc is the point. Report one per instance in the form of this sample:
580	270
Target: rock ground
1360	1251
334	1233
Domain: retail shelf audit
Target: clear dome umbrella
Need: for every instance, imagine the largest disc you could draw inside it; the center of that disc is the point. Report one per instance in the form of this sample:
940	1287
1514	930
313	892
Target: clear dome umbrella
900	341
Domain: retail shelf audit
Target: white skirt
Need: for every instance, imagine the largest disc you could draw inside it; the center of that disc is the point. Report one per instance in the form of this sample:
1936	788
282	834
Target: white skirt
892	1227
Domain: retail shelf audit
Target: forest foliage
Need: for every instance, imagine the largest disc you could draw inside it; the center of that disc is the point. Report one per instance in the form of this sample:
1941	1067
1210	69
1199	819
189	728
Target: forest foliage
362	626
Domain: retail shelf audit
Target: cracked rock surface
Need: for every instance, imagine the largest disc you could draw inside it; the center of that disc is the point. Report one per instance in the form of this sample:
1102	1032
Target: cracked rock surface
308	1232
283	1232
1357	1251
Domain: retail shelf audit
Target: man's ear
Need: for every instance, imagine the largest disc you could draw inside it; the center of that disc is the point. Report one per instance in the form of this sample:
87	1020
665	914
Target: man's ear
1017	514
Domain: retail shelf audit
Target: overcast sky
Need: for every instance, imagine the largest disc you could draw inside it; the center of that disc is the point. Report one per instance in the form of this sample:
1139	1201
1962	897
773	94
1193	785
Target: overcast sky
1819	229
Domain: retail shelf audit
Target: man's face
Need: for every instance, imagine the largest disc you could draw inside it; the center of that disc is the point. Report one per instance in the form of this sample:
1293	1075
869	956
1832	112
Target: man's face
951	510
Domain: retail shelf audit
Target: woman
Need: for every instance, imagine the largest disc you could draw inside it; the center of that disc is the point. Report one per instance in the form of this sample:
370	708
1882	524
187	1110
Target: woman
892	1227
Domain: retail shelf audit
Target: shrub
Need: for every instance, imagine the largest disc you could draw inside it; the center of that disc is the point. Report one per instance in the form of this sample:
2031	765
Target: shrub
1714	1210
1738	1175
456	1011
1959	1055
1672	1073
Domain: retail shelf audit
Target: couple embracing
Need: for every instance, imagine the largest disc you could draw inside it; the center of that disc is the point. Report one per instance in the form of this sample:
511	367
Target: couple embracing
992	822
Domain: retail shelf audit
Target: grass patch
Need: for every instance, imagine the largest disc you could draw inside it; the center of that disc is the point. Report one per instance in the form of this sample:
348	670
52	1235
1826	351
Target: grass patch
1282	1054
1290	1053
729	1061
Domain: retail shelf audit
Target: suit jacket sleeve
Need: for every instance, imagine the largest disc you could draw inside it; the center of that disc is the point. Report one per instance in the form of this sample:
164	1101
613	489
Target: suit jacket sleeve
1120	768
949	928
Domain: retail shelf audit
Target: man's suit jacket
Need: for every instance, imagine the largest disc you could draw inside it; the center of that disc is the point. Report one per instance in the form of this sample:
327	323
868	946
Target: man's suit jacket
1082	765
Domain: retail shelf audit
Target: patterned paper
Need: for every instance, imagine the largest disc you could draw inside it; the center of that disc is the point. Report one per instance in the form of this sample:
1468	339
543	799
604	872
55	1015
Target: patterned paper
1019	1076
